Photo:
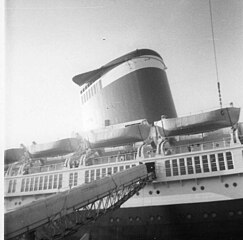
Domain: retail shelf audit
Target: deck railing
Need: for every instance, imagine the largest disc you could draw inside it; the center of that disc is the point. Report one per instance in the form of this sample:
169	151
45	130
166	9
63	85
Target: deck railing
199	146
127	156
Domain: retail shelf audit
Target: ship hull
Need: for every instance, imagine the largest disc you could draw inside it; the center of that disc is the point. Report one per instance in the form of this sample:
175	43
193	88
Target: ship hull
210	220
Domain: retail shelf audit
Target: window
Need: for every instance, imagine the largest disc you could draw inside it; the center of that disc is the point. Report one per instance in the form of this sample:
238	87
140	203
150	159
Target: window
10	186
115	169
75	183
86	177
229	160
121	168
41	183
97	174
45	182
221	161
127	166
205	163
60	181
92	175
109	172
50	182
70	180
167	168
182	166
175	167
103	172
189	165
36	184
213	162
27	185
32	184
22	185
14	185
197	164
55	181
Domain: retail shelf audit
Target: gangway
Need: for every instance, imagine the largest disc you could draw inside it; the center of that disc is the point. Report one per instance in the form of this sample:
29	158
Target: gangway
62	214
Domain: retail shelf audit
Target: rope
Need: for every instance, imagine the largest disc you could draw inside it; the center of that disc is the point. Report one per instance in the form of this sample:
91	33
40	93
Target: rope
215	56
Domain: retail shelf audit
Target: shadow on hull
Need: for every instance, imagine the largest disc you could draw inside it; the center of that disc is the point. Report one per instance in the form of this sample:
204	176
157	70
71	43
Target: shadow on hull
204	221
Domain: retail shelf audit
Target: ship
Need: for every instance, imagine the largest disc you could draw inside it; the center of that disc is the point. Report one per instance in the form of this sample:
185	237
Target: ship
130	118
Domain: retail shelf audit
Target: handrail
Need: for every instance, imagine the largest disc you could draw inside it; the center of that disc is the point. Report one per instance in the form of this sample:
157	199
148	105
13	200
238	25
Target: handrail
198	146
127	156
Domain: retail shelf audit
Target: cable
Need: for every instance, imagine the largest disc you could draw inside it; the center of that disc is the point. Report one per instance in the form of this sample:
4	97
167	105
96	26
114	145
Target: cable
215	57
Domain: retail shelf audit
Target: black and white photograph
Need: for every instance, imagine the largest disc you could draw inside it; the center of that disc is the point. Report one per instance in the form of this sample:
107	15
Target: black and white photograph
122	120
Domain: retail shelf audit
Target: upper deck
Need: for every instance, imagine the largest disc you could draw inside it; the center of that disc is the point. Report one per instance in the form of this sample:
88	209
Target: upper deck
173	163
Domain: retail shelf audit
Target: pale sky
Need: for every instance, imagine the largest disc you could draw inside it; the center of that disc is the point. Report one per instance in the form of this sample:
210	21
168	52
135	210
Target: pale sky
47	42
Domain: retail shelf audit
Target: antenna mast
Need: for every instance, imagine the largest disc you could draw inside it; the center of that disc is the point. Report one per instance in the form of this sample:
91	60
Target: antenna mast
215	57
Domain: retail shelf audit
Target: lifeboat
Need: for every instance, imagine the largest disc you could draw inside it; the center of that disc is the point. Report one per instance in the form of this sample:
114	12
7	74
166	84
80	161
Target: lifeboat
118	135
56	148
198	123
13	155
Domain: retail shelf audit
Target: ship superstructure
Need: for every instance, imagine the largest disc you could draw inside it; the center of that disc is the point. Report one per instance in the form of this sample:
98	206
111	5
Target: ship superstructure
198	192
129	88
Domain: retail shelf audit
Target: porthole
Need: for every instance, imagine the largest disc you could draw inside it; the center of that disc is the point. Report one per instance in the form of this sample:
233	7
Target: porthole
137	193
214	215
130	219
231	213
226	185
137	219
151	218
239	212
19	203
194	189
111	220
158	191
202	188
15	203
205	215
235	184
158	218
117	219
189	216
150	192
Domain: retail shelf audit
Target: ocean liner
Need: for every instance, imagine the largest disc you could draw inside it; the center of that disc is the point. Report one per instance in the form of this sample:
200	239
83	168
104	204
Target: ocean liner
128	110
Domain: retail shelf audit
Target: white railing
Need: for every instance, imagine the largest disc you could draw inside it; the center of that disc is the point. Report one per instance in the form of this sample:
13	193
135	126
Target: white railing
198	146
127	156
111	159
46	168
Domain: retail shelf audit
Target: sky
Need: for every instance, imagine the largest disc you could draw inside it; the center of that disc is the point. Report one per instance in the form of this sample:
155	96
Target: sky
48	42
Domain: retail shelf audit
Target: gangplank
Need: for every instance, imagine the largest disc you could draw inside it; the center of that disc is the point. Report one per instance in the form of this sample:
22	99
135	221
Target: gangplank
62	214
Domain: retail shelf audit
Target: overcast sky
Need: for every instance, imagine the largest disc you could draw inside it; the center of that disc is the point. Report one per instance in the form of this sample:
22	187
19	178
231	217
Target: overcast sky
47	42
